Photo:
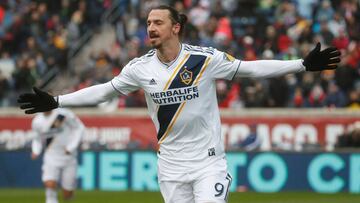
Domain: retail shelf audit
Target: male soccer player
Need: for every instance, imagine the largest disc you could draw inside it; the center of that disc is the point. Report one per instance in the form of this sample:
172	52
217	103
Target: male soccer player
59	133
179	84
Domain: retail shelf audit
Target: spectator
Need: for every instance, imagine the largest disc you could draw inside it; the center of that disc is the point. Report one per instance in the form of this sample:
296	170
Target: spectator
354	100
267	29
351	138
335	97
316	97
4	86
325	12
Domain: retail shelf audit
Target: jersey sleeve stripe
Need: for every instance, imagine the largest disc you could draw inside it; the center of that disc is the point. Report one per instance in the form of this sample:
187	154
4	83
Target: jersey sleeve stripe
176	71
202	71
237	69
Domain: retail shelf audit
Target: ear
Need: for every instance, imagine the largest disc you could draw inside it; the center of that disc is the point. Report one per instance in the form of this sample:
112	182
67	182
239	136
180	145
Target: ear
176	29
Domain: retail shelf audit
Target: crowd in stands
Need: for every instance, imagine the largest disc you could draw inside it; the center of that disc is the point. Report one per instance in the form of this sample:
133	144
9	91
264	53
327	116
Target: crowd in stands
35	37
350	138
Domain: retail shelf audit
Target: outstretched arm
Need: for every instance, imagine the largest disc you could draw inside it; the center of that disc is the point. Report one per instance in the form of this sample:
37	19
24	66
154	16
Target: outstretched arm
316	60
88	96
40	101
269	68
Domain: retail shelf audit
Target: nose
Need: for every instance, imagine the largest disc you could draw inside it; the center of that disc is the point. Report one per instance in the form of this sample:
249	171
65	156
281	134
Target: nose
151	27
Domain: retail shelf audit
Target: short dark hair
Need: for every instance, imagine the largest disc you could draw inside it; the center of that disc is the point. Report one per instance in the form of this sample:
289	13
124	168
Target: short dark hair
175	17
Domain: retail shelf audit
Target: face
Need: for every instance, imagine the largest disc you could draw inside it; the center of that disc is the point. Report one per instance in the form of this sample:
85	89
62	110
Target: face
160	28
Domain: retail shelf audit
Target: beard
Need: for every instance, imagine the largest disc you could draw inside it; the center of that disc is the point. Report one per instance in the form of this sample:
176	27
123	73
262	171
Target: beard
155	40
156	44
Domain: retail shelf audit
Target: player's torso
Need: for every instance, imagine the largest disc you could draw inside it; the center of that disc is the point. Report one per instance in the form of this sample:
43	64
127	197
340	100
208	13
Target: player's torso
55	132
182	102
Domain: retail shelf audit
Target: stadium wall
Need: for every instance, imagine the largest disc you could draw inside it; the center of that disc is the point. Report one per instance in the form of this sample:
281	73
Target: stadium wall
279	129
118	153
259	172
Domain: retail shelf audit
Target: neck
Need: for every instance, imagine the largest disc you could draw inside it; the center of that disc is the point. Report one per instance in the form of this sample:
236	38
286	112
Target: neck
169	52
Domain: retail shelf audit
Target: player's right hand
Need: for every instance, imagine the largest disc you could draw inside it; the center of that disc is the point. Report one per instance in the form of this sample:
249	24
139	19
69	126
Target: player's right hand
39	101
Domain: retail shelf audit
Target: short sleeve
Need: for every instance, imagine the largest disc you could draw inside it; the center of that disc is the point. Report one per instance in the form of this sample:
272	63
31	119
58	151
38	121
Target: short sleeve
223	65
126	81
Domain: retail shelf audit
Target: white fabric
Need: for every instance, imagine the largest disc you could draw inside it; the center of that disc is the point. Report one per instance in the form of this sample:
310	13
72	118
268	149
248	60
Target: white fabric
66	175
64	134
51	195
65	130
88	96
210	184
195	127
269	68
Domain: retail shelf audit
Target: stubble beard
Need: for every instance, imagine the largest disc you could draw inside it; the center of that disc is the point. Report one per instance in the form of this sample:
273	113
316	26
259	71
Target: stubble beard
156	45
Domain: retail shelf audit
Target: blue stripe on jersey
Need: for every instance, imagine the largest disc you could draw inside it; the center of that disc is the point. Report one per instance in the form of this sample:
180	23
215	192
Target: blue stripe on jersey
54	126
166	112
193	64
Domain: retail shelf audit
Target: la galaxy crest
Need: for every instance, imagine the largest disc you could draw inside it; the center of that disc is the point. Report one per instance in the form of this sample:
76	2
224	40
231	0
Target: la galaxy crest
186	76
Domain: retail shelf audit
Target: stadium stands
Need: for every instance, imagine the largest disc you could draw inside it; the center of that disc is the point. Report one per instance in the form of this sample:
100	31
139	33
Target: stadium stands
38	40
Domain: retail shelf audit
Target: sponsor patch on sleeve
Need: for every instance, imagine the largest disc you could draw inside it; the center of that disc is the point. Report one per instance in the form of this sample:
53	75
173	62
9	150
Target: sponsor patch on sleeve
228	57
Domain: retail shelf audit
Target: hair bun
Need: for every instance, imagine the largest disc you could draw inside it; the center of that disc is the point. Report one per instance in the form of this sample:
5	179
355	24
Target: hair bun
182	18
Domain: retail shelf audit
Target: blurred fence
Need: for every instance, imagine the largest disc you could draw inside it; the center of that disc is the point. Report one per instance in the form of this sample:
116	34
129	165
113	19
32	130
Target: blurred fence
277	129
260	172
297	151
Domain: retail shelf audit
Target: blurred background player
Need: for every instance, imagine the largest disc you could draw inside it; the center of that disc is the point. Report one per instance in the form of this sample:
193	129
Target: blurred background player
58	133
253	141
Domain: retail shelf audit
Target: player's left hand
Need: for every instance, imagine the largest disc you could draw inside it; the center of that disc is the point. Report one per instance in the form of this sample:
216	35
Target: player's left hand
39	101
326	59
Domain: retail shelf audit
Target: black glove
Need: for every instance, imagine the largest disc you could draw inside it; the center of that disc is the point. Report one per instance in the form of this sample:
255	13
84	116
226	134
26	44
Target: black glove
38	102
318	60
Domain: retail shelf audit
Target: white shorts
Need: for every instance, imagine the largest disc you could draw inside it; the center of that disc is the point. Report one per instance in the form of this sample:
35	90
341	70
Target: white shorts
67	174
199	187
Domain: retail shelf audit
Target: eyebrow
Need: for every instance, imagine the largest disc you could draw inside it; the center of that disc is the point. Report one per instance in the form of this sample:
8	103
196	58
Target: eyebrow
155	20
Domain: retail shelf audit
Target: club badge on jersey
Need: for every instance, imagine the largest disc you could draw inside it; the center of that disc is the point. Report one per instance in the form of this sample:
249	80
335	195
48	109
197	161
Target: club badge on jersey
186	76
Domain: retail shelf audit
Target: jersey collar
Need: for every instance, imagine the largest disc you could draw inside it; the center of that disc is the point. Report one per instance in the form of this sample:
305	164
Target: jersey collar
168	65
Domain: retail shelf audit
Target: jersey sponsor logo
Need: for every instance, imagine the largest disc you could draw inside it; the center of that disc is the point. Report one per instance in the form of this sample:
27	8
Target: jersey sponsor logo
173	96
186	76
152	82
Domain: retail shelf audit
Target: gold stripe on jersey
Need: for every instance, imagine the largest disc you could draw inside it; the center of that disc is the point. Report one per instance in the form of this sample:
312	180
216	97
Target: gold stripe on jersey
196	82
172	123
168	114
176	71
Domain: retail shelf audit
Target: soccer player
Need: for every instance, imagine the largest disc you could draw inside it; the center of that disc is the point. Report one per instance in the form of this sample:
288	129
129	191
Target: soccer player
58	133
179	84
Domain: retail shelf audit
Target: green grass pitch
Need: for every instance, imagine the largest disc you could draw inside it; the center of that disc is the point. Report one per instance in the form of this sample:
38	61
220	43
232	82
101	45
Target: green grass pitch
37	196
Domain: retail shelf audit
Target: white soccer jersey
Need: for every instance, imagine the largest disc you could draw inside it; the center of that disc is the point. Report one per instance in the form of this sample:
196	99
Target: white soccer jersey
182	103
56	133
